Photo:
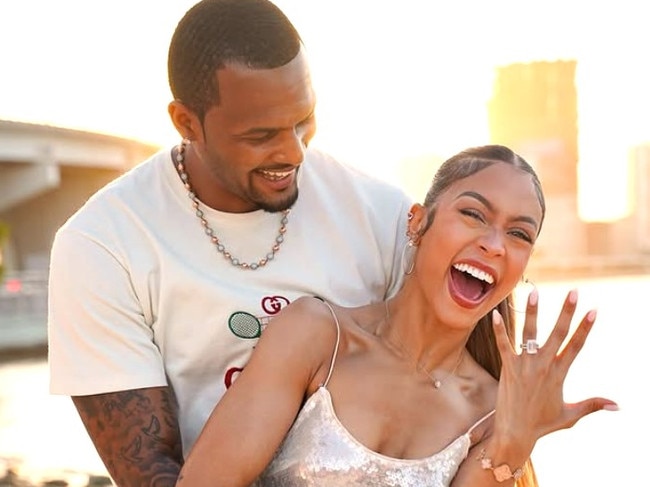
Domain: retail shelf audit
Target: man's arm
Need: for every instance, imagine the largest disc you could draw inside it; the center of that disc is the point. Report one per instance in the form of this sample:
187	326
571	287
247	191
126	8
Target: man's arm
136	434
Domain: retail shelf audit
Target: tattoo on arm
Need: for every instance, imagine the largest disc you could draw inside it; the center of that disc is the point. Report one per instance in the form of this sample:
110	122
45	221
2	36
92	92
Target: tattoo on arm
136	435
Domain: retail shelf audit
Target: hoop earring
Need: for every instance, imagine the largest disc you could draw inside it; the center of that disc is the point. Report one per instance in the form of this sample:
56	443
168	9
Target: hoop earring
408	257
532	286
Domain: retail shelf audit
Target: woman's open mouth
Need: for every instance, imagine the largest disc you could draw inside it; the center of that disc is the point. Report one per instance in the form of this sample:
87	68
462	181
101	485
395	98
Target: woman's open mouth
469	284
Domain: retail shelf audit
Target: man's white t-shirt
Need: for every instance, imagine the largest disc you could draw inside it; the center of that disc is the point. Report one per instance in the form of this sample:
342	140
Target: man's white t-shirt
140	297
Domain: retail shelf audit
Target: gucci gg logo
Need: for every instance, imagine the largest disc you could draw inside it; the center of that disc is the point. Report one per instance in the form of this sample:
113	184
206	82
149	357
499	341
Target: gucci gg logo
273	304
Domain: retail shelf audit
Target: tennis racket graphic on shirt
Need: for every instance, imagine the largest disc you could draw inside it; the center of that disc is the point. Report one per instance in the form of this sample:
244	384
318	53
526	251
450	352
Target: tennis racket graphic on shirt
246	325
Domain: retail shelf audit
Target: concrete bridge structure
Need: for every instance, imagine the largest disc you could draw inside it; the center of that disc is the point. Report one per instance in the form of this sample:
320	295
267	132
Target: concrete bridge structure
46	174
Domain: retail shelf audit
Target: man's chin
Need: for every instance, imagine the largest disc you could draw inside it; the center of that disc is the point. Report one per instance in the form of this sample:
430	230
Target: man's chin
281	204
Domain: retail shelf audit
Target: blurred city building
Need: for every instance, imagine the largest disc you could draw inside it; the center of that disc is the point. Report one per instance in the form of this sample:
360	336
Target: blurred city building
534	110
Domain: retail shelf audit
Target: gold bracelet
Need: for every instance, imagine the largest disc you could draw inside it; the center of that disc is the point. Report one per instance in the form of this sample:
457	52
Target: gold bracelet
502	472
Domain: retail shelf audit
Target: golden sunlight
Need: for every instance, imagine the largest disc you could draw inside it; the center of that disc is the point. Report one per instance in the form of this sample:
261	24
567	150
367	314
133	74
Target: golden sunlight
397	82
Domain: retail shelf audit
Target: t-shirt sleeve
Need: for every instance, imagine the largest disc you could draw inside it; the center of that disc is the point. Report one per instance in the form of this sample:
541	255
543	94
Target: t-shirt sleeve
98	338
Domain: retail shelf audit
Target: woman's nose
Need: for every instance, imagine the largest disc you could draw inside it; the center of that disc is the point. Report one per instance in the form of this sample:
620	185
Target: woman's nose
492	243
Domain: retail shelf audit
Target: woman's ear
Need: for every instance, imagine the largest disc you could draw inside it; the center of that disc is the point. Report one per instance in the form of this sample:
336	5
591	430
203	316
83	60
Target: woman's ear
417	222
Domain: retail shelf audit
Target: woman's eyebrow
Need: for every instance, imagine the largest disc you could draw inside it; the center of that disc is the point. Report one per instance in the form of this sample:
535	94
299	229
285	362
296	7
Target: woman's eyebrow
477	196
485	202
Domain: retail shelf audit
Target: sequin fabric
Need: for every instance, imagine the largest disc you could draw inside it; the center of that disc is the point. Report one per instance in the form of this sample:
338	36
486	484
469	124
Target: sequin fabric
319	451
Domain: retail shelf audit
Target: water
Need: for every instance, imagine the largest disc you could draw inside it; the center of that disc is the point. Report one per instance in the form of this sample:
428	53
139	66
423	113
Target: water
42	437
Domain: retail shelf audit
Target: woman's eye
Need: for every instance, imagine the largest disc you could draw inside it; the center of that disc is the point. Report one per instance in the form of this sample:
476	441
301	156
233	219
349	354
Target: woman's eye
522	235
472	214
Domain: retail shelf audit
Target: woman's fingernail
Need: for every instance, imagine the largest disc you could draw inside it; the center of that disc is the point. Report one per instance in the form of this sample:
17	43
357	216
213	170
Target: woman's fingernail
591	316
533	297
496	317
573	296
611	407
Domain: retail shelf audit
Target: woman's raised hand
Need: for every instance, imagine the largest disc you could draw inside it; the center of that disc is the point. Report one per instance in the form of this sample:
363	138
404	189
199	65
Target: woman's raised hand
530	400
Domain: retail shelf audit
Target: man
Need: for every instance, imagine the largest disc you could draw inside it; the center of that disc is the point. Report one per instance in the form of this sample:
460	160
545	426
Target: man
162	282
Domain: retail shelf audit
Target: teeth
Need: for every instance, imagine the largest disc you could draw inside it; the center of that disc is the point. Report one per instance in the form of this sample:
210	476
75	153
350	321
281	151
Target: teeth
474	272
276	175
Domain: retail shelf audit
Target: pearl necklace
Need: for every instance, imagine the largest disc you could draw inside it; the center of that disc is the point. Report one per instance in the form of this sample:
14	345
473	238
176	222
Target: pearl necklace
180	167
437	383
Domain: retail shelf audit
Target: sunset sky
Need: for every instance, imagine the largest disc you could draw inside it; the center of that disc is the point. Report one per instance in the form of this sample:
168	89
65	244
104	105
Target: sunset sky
395	79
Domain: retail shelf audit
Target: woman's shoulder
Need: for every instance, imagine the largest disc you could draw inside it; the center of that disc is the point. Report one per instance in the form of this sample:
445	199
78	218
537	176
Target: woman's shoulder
315	318
299	340
310	320
313	310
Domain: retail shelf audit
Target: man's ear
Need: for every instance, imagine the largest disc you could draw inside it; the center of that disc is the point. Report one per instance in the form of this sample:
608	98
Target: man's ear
417	222
187	123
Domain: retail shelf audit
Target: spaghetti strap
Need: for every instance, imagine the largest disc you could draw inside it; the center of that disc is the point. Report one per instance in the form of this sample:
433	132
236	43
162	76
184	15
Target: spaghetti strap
469	431
336	347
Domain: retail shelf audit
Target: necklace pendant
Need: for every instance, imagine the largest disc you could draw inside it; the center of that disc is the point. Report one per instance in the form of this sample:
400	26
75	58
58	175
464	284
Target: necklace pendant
437	383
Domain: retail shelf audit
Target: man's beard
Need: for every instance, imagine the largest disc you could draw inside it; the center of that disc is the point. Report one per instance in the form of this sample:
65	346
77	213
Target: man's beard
281	205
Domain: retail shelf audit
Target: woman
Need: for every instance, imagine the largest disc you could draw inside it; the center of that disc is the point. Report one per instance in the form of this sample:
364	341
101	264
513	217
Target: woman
425	389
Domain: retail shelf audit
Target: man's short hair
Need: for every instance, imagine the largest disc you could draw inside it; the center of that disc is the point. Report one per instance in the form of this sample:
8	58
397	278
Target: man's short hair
215	33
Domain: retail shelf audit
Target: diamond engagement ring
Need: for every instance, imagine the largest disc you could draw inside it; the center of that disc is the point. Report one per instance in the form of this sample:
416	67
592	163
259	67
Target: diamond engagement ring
531	346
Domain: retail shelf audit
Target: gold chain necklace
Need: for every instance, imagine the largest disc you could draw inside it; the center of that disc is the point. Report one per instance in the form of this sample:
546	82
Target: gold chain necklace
209	231
437	382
